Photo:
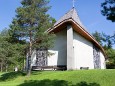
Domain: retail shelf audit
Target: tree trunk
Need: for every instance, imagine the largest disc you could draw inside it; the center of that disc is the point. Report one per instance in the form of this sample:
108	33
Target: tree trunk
6	67
23	64
1	67
13	68
30	52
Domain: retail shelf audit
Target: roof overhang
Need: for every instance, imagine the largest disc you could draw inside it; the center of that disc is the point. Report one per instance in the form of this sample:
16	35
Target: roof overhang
79	29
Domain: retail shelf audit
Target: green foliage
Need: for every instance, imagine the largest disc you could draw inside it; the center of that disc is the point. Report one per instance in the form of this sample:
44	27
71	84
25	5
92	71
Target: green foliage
27	32
98	37
5	50
111	58
30	25
32	21
68	78
11	54
108	9
111	53
107	41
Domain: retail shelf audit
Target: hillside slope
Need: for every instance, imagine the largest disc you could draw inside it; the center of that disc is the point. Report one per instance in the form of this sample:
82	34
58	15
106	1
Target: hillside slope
60	78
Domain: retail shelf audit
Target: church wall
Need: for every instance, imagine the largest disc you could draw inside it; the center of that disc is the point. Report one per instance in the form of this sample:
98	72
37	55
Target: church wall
83	52
59	50
102	59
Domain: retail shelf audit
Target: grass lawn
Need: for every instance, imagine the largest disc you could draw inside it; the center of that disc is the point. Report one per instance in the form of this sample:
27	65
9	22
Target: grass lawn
60	78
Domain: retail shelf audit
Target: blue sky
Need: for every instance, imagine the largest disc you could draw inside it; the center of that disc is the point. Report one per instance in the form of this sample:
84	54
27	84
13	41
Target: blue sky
7	12
88	11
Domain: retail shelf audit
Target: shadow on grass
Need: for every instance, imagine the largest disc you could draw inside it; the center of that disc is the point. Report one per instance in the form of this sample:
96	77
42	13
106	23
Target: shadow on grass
83	83
11	75
36	72
48	82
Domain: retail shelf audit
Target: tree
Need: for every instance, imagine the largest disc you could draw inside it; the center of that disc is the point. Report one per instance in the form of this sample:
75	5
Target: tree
98	37
11	54
111	58
108	9
30	24
107	41
5	50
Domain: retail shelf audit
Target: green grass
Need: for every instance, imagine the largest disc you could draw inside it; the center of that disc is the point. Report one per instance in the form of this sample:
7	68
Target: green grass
60	78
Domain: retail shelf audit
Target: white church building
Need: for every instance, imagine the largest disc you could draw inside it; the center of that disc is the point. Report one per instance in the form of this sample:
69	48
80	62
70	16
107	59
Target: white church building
74	47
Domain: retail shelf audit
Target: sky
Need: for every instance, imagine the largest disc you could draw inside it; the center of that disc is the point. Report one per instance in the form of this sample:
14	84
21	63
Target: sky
88	11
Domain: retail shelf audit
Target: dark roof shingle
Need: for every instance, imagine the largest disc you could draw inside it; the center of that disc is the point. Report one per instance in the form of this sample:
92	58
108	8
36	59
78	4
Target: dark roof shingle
71	14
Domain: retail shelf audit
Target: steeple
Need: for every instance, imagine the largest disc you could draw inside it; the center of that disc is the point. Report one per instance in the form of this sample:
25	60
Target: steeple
72	14
73	3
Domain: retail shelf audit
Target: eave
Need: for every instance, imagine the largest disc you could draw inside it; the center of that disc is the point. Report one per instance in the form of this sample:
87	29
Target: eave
79	29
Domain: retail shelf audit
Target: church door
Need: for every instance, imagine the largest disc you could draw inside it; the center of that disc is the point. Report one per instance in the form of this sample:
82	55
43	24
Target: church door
96	57
41	57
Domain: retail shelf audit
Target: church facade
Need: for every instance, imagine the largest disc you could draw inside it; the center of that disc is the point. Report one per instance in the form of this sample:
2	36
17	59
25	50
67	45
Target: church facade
74	47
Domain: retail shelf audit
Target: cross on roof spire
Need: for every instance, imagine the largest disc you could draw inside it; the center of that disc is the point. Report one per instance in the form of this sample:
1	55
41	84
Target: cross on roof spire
73	3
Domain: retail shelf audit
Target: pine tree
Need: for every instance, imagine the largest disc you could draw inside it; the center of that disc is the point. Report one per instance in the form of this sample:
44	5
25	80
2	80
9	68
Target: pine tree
11	54
108	9
30	24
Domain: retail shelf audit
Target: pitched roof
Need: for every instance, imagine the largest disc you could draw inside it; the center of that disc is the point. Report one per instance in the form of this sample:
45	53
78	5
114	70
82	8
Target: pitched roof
72	14
72	18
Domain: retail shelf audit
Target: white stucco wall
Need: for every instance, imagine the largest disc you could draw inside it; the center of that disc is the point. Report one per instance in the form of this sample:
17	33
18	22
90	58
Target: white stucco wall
59	50
83	52
102	59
